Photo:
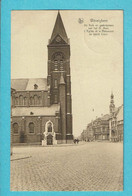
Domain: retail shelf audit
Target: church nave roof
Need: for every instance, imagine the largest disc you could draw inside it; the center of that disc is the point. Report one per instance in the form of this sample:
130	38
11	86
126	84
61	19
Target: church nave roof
29	84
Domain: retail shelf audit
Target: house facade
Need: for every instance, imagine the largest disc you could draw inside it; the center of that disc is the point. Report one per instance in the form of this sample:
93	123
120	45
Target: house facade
107	127
116	125
97	129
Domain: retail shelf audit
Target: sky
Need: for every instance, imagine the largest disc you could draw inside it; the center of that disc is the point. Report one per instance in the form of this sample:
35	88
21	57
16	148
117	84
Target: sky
96	61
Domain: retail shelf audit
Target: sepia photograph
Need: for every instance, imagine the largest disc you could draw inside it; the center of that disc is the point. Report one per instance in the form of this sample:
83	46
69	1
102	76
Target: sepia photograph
66	100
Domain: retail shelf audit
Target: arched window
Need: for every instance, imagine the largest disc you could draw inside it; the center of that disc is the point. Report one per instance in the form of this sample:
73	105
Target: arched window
58	56
58	59
49	127
15	128
25	100
35	100
31	127
16	101
31	101
55	83
56	64
61	65
20	100
39	100
55	99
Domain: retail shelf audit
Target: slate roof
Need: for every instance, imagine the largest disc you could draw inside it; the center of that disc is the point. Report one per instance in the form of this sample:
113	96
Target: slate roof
28	84
59	29
105	117
118	109
120	114
36	111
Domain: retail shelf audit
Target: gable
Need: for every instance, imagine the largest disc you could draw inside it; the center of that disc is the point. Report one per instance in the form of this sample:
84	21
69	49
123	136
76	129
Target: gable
58	40
120	114
59	29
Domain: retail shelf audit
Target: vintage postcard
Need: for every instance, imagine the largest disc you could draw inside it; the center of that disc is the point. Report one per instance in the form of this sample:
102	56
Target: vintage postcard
66	100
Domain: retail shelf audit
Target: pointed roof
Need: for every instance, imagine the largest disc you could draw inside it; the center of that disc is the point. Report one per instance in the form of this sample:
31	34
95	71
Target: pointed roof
59	29
28	84
105	117
112	95
62	79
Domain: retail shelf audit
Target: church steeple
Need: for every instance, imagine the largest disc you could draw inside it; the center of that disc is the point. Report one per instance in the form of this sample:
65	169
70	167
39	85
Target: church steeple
59	30
59	77
112	105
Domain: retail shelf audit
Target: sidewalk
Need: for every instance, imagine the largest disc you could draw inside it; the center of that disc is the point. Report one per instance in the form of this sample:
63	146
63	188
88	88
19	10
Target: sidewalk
39	145
17	156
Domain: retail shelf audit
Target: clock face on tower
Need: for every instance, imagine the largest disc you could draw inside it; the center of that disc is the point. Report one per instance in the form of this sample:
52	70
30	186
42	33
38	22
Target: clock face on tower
58	39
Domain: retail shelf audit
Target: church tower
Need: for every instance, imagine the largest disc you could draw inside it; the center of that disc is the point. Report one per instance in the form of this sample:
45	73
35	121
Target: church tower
59	78
112	105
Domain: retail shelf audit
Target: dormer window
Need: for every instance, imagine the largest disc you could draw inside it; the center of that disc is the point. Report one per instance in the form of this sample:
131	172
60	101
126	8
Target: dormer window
35	86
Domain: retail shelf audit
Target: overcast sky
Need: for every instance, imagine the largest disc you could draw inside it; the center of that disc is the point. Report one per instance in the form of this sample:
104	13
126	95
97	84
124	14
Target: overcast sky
96	61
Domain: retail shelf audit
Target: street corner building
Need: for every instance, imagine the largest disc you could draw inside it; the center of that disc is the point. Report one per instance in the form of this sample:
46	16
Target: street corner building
107	127
41	109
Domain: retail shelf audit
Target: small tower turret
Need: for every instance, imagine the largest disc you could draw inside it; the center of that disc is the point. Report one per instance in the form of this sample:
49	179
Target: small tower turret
112	105
62	99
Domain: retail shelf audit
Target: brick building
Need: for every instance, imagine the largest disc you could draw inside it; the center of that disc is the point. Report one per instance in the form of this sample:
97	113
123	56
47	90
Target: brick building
42	108
107	127
116	125
115	122
101	127
97	129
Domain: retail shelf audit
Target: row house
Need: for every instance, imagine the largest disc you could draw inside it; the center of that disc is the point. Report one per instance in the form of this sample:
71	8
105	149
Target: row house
107	127
97	129
101	128
116	125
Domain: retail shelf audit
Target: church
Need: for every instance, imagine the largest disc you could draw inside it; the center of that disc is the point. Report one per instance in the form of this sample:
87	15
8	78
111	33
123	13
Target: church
41	108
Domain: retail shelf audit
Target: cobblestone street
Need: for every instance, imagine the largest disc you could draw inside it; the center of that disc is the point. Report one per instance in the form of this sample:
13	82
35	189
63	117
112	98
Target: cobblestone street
91	166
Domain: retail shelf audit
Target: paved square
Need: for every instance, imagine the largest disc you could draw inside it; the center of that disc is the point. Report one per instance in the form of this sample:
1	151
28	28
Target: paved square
92	166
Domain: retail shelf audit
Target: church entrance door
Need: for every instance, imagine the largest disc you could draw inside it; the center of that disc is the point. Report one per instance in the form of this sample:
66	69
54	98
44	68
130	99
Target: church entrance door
49	139
22	137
